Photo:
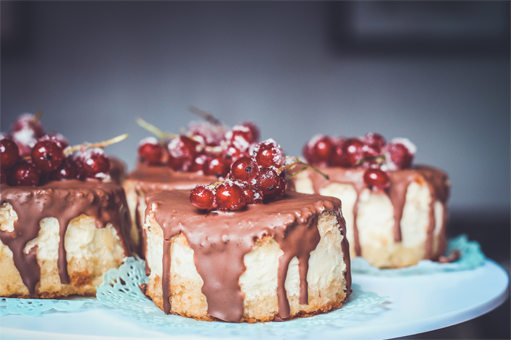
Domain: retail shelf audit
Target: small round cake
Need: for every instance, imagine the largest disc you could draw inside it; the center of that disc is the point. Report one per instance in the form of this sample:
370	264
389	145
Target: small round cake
279	260
64	219
396	213
59	238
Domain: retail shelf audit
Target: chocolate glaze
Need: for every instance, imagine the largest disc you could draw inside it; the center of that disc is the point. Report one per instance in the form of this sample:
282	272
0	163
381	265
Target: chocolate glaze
117	170
161	178
64	200
436	181
221	239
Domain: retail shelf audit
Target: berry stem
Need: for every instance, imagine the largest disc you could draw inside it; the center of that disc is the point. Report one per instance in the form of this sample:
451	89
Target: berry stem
292	162
153	129
206	115
380	159
71	149
36	118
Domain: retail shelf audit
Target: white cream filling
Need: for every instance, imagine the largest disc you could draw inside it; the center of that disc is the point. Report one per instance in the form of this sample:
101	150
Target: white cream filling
375	219
82	240
326	262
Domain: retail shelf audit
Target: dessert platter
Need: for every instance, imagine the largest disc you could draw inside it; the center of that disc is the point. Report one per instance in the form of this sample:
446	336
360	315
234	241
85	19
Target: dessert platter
218	235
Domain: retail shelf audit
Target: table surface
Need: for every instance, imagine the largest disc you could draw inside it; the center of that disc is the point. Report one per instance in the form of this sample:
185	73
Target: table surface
416	304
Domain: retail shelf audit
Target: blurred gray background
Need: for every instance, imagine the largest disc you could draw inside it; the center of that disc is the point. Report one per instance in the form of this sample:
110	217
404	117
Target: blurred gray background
437	73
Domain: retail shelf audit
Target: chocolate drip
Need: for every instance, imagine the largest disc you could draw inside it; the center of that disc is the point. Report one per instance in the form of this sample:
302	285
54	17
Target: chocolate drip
345	248
309	238
354	177
399	181
63	200
220	241
166	275
117	170
140	248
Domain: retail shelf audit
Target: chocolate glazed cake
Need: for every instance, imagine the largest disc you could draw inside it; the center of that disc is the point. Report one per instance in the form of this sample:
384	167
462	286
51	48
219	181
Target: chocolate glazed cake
397	227
59	238
148	179
274	261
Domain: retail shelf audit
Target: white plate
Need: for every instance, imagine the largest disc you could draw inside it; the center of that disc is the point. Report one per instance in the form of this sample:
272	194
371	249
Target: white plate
417	304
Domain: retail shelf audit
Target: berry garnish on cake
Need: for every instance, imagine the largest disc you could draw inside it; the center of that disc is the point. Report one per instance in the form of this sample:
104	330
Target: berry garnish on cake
29	157
243	249
396	212
201	154
63	223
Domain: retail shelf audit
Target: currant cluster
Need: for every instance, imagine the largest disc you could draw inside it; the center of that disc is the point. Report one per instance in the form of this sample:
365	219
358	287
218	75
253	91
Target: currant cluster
252	179
205	147
29	157
370	151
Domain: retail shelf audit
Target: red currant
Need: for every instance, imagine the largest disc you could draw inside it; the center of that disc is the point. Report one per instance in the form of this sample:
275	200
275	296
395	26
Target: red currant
211	134
198	163
56	137
47	155
321	149
339	157
233	154
269	153
202	197
175	163
28	123
181	152
253	192
217	166
271	183
376	179
23	174
254	131
240	137
230	196
9	153
352	150
374	140
150	151
25	149
3	176
400	153
94	163
66	170
245	169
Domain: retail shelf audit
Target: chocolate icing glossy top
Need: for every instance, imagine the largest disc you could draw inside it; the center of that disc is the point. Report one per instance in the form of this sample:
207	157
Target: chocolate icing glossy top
156	178
117	170
221	239
437	181
64	200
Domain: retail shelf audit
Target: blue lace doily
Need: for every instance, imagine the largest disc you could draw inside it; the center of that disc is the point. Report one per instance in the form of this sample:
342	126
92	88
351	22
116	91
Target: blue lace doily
120	290
35	307
471	257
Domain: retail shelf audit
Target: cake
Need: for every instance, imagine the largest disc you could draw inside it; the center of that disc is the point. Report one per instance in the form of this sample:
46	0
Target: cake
241	249
200	155
274	261
59	238
63	222
396	212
